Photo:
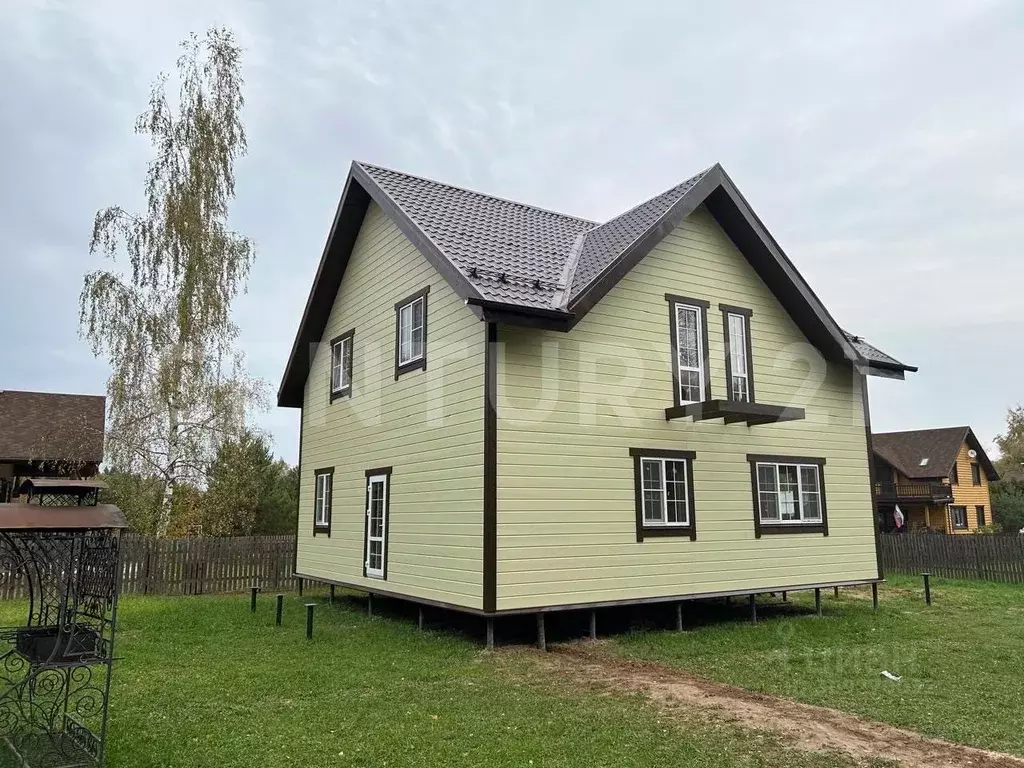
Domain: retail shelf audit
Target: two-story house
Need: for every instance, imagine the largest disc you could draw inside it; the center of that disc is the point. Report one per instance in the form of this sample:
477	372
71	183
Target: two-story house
511	410
937	478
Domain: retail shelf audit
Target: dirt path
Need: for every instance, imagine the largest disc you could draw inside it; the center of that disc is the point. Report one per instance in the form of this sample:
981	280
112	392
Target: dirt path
806	727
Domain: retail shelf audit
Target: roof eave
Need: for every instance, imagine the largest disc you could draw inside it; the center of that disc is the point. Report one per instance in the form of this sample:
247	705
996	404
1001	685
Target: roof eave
883	370
515	314
360	188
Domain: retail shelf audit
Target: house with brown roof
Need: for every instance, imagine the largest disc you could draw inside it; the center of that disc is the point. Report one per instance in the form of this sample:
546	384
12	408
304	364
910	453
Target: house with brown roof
45	434
937	478
506	409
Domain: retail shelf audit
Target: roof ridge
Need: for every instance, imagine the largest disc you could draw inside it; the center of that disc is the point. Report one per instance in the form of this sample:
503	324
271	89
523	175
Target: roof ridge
468	190
923	429
697	176
40	392
561	298
691	182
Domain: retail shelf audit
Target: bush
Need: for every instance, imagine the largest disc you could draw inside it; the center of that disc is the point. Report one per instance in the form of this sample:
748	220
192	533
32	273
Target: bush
1008	505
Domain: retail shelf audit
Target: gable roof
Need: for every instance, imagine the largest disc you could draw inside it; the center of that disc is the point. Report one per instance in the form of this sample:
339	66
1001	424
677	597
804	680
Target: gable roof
519	264
48	426
906	450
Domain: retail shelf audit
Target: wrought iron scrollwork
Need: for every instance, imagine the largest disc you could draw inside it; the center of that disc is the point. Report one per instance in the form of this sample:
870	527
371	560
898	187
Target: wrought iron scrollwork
55	667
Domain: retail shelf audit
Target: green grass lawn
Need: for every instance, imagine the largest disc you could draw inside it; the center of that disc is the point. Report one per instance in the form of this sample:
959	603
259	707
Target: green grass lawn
202	682
961	660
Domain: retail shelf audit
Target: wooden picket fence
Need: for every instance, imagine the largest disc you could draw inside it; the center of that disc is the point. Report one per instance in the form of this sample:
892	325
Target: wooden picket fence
151	566
992	557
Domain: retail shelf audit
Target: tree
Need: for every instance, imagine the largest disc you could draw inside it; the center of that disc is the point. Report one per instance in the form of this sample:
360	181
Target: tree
178	386
1008	504
248	492
1011	445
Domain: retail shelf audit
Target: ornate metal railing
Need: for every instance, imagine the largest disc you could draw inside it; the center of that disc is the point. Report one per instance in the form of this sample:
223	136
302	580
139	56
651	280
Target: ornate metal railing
55	666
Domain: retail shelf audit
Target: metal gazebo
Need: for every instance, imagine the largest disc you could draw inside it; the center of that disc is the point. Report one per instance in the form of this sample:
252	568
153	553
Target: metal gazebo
59	563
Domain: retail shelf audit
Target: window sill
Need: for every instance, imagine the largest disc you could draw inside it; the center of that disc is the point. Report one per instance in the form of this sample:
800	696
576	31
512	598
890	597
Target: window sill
768	529
666	531
415	365
323	530
341	393
735	410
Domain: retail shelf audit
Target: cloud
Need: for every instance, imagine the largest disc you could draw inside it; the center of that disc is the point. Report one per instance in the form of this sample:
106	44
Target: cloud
879	142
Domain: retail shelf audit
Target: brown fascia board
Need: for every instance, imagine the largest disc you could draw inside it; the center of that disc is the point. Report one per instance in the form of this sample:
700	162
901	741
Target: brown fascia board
983	459
516	314
359	189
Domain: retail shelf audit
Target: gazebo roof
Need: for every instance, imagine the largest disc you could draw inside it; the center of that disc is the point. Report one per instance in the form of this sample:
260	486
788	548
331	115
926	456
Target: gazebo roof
25	517
61	485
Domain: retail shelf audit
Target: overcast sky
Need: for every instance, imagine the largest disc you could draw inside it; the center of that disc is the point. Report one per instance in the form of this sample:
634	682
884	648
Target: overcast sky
881	143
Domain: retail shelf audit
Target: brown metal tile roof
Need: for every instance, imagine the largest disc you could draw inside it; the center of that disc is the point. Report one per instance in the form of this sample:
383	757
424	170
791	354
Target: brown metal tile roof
49	426
488	237
530	261
603	244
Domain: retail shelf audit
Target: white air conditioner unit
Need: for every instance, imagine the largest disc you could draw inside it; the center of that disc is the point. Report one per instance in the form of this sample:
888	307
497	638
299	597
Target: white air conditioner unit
972	454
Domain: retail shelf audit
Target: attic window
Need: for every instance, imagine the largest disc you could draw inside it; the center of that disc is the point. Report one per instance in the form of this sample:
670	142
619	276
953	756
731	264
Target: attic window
411	333
924	462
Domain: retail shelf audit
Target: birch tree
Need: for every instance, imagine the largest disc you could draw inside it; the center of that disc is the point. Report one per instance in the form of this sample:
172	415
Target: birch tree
161	314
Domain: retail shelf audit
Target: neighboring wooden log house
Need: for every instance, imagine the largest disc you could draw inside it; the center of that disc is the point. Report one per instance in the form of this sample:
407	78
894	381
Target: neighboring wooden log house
938	478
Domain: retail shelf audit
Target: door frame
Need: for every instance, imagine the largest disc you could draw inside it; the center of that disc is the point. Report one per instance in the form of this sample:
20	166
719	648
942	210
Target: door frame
380	475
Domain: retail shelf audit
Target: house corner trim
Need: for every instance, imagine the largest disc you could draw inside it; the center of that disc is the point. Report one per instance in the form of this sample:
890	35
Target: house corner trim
490	510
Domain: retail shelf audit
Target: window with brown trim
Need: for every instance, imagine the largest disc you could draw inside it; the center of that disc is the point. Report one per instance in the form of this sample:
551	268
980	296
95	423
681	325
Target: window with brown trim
688	330
341	365
975	474
958	514
979	510
788	494
663	486
954	476
411	333
739	354
323	492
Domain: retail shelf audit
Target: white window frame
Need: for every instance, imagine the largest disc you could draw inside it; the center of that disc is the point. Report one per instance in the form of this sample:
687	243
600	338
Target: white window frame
323	490
698	311
402	310
664	522
341	354
383	480
798	501
738	351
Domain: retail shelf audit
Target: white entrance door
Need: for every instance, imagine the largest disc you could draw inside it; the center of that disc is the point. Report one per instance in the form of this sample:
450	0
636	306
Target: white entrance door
376	524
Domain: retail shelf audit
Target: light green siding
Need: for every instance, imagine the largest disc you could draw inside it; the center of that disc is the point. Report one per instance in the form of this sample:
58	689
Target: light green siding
428	426
572	405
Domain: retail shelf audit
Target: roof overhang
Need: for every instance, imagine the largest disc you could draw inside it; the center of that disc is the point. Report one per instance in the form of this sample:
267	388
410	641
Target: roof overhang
715	190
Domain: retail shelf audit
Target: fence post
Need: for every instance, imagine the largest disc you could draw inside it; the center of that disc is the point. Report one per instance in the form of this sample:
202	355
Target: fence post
145	575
